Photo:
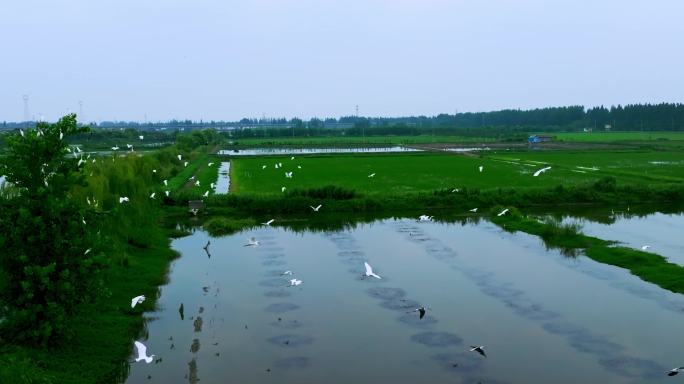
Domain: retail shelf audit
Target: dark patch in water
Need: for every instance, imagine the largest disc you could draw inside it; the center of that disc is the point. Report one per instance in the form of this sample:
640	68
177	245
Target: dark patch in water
277	294
273	283
281	307
633	367
353	261
436	339
291	341
386	293
461	362
413	320
583	340
286	324
349	253
297	362
273	257
275	273
272	263
403	305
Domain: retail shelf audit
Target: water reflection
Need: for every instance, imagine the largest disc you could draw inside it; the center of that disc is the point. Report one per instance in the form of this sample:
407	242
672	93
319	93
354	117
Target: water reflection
542	317
223	182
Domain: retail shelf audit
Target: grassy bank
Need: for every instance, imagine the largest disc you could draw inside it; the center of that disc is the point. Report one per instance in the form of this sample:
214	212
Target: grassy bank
647	266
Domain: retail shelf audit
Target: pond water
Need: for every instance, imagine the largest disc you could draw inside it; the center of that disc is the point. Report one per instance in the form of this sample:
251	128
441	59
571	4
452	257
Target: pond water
310	151
660	231
223	182
542	317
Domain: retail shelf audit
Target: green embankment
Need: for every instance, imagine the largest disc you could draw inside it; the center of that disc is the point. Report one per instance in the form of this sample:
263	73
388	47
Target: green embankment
607	137
647	266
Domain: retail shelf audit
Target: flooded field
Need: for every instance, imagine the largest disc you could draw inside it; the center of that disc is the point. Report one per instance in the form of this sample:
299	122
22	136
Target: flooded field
229	314
311	151
659	232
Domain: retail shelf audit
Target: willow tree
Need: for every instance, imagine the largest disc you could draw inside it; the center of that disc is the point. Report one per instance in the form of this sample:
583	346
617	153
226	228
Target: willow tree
48	265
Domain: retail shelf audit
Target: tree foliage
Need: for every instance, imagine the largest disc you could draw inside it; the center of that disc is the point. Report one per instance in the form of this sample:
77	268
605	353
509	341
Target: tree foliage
48	260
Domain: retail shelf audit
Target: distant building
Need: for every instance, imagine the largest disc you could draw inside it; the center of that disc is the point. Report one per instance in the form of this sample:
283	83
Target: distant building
534	139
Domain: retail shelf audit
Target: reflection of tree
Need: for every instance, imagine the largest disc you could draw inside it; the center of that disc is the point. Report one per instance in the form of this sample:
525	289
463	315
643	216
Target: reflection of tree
181	311
195	346
192	372
198	324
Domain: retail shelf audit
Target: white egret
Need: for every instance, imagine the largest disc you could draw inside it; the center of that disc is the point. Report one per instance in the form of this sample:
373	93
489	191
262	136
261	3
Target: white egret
645	247
503	212
21	131
166	183
87	251
288	174
154	171
206	194
197	183
674	371
61	135
137	300
479	349
473	210
481	168
315	209
371	175
455	190
539	172
292	158
253	242
286	273
210	164
115	148
283	189
268	222
142	353
212	185
424	218
123	199
80	161
369	271
166	193
180	157
299	167
295	282
263	167
185	164
129	146
141	137
152	195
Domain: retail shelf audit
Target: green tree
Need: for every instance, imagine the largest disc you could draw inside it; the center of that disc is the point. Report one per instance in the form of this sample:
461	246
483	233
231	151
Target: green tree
48	261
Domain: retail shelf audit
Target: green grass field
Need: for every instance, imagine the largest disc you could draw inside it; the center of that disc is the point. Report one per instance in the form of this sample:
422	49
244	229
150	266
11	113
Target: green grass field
607	137
418	172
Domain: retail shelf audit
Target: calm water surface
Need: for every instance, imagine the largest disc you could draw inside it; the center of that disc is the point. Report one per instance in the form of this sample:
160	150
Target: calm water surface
543	318
223	182
309	151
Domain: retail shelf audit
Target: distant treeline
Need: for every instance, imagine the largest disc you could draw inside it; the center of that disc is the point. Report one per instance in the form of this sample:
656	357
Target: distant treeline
633	117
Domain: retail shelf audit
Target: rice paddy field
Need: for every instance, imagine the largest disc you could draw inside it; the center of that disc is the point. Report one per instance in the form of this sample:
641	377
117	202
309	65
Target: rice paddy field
432	171
346	140
618	136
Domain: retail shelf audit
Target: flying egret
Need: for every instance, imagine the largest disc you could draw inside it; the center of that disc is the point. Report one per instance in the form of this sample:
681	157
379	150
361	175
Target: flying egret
137	300
129	146
455	190
473	210
142	353
123	199
154	171
185	164
263	167
87	251
180	157
210	164
295	282
481	168
80	161
197	183
253	242
369	271
115	148
299	167
503	212
152	195
206	194
268	222
286	273
212	185
315	209
539	172
645	247
280	165
61	135
424	218
166	183
479	349
207	245
141	137
21	131
283	189
674	371
292	158
371	175
421	311
288	174
166	193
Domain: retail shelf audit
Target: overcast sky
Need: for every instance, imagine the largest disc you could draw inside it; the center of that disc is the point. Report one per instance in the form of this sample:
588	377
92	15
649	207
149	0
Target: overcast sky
228	59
